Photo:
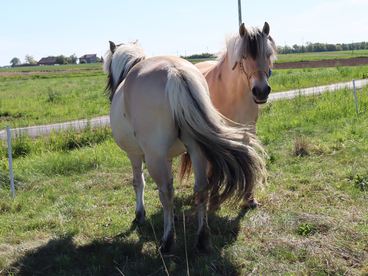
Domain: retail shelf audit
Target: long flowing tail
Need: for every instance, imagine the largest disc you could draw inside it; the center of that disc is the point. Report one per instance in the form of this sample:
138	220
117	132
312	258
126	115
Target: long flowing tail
235	167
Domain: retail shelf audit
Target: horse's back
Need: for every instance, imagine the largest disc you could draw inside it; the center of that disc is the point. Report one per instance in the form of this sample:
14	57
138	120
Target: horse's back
205	66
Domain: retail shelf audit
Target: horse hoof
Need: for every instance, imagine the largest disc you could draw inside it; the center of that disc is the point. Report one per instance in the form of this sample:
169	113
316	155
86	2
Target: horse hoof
167	245
251	204
140	217
214	205
203	243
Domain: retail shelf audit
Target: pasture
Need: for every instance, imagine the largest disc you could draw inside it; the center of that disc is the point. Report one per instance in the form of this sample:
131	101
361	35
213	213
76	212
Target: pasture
75	203
51	94
321	56
314	56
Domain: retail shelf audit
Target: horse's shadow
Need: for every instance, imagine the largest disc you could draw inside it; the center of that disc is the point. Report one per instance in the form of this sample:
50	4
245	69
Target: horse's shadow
134	252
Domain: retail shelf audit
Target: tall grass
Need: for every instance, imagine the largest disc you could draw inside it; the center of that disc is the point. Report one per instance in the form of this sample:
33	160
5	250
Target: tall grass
287	79
57	142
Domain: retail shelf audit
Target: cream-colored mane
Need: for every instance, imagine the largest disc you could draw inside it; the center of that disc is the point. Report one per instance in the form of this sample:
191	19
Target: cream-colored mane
125	57
255	44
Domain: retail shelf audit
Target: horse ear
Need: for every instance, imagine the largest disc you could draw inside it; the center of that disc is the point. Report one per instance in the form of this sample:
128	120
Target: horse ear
266	28
112	46
242	30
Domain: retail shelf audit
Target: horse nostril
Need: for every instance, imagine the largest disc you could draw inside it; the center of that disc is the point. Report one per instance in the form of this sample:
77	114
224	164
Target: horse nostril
254	90
268	89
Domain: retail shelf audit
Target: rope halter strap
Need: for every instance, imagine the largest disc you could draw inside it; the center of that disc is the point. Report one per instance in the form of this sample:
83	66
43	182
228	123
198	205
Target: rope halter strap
251	74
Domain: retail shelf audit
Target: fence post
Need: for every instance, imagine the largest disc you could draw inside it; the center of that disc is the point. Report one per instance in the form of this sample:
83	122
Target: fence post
10	159
355	98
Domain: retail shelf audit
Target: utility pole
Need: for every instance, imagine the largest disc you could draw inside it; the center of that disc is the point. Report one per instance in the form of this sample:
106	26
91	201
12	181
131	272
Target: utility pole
240	12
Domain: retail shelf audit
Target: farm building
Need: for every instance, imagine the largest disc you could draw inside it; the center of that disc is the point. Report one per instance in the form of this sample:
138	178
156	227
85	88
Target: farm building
90	58
47	61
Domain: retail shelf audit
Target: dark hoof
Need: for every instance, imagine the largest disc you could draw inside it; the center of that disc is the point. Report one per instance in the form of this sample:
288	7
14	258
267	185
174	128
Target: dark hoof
140	217
167	245
203	243
214	204
251	204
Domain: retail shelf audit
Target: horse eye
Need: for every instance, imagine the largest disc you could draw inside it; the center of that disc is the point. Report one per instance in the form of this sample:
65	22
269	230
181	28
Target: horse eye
269	72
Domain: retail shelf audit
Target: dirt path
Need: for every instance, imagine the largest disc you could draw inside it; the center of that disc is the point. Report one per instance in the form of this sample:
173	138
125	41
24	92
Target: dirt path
323	63
42	130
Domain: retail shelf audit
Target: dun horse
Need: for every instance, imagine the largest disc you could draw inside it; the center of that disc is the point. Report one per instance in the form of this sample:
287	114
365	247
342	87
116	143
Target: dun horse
238	81
160	108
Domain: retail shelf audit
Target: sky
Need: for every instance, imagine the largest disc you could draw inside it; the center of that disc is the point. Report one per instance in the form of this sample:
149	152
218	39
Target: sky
44	28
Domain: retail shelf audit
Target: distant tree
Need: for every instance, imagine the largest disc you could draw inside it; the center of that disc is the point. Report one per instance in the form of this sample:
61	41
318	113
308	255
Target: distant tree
15	61
198	56
30	59
296	48
331	47
72	59
61	59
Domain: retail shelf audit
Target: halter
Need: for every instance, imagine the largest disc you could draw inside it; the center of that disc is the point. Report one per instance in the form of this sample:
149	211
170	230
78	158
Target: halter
249	75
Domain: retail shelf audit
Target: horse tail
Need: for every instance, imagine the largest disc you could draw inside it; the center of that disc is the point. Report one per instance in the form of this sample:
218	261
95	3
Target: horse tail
235	167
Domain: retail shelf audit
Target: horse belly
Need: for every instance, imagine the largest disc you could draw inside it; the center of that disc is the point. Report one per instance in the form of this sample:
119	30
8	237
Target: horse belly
122	130
176	149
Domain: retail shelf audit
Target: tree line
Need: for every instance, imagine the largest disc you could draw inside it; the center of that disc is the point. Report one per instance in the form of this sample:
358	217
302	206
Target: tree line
30	60
321	47
199	56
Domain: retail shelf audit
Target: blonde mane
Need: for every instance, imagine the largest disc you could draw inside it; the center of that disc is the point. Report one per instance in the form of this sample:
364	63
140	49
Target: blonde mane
118	63
254	44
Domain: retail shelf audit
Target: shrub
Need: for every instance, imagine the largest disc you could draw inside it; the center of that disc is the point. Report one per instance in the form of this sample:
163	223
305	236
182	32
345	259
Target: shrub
306	229
21	146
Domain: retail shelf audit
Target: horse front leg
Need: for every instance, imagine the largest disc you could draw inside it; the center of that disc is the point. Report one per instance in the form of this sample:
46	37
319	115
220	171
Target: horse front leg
138	184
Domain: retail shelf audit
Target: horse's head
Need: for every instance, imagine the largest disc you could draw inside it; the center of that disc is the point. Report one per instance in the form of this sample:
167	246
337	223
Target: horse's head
255	55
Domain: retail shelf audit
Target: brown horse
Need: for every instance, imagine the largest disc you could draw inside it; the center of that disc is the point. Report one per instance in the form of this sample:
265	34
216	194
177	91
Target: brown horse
238	81
160	108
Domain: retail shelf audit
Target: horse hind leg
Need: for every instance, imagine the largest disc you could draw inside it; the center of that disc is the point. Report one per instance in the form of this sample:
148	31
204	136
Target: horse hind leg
159	168
138	184
250	202
199	163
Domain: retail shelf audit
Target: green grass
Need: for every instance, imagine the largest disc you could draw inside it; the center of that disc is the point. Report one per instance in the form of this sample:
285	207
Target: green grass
39	101
74	206
50	68
281	58
287	79
52	94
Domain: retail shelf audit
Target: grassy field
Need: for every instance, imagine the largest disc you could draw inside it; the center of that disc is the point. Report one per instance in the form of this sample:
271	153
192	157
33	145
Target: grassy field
48	68
287	79
75	203
52	94
281	58
44	97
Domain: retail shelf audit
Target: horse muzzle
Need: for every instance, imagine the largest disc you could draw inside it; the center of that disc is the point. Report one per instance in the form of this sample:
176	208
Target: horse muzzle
260	96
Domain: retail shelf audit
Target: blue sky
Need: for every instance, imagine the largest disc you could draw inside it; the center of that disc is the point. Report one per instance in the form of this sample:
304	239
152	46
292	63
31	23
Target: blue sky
41	28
